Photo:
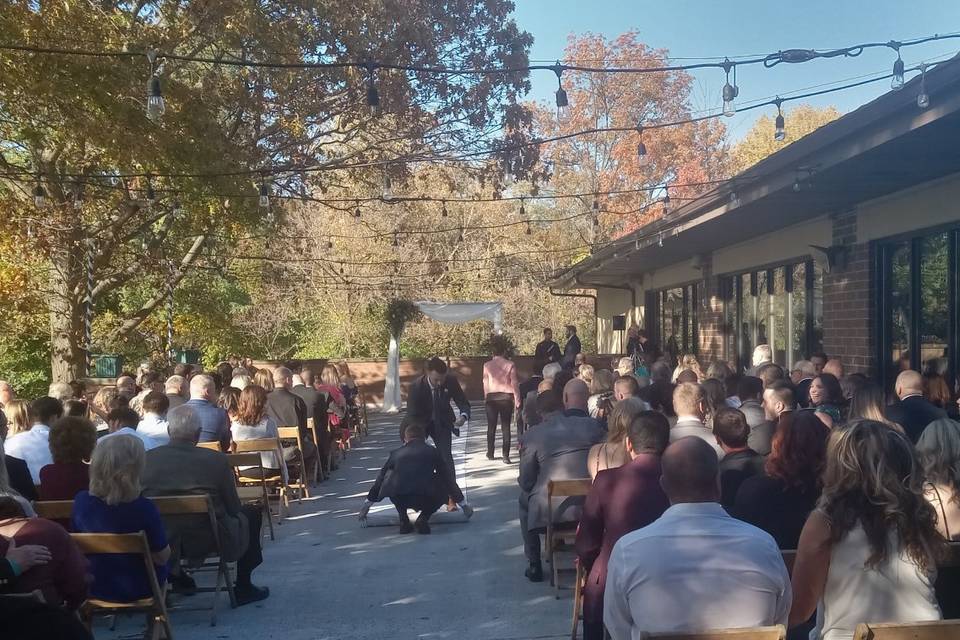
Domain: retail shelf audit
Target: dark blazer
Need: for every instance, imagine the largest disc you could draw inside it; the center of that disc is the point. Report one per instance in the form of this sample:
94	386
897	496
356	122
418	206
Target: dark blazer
547	351
621	500
415	469
316	404
914	413
420	403
769	504
734	469
20	479
761	437
570	350
802	392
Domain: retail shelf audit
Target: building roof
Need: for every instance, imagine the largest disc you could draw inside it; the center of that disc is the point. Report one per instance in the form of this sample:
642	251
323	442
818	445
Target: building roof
884	146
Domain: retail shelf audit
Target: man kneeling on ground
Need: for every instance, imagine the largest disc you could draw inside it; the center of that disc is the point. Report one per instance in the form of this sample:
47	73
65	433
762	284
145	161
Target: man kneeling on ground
418	479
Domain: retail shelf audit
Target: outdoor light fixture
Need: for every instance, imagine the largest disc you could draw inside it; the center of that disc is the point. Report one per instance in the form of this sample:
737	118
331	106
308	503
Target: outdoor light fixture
155	104
373	96
666	201
387	188
923	100
730	90
356	212
734	200
779	132
329	243
529	230
150	192
659	238
642	158
523	210
443	210
39	196
896	81
563	104
264	196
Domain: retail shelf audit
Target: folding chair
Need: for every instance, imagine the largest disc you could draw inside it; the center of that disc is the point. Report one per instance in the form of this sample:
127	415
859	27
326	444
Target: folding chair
54	509
198	505
789	557
278	481
777	632
939	630
561	540
578	599
251	494
317	471
213	446
158	621
293	433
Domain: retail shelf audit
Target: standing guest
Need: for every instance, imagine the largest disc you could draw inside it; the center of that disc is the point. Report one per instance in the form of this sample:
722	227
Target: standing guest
33	446
819	361
554	450
527	387
937	392
750	395
720	370
778	401
639	349
501	393
626	387
289	410
547	351
113	504
621	500
666	577
61	391
762	355
182	467
126	386
153	424
868	552
834	367
851	384
659	394
739	462
868	404
18	417
779	500
689	404
9	488
251	422
613	452
124	421
530	415
173	388
416	477
826	398
913	412
600	389
714	398
75	408
572	348
770	373
62	579
585	372
71	444
579	360
316	404
802	376
688	362
215	425
149	381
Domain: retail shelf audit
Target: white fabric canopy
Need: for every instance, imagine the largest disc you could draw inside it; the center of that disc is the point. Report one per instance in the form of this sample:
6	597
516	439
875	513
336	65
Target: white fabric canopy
448	313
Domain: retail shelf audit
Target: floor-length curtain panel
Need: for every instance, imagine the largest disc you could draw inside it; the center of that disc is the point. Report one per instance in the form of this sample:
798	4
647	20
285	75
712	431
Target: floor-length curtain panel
391	389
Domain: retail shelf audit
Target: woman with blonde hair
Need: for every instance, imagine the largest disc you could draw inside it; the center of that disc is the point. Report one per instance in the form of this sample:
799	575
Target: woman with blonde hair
113	504
869	550
688	362
264	378
867	403
103	403
337	404
613	453
18	417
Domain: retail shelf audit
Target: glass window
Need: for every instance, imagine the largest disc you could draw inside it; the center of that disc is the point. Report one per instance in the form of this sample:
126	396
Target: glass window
748	320
673	322
934	312
778	317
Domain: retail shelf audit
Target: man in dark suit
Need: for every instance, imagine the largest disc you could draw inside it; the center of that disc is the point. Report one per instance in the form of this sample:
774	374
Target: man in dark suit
739	461
571	348
555	449
547	351
416	477
621	500
289	410
750	394
428	403
317	404
802	375
777	401
913	412
182	467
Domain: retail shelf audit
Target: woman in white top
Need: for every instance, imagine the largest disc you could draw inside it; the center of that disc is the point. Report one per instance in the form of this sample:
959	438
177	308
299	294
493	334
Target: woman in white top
868	552
251	422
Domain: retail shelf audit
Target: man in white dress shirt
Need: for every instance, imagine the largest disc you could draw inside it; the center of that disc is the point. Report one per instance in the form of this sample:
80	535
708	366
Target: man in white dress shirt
33	446
154	421
125	420
691	409
695	568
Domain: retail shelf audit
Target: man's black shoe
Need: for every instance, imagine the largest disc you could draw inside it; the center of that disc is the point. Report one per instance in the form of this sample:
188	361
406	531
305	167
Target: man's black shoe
406	527
422	527
489	456
250	593
183	584
507	461
534	572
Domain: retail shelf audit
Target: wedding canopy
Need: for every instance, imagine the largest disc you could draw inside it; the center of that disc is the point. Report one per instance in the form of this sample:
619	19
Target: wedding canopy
447	313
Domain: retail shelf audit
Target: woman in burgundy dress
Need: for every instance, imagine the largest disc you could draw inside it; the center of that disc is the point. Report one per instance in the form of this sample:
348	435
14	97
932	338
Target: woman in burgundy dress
71	443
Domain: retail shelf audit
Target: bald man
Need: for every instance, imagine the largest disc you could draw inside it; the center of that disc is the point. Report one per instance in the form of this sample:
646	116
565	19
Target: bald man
555	449
913	412
214	423
668	576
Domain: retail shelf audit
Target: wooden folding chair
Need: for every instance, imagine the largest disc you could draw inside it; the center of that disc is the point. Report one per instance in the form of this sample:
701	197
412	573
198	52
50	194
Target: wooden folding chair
213	446
939	630
54	509
789	557
293	433
252	494
317	470
199	505
158	620
777	632
561	540
578	599
279	481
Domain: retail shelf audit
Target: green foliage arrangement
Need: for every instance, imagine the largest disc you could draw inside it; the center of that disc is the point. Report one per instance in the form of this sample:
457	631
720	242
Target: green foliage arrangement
398	314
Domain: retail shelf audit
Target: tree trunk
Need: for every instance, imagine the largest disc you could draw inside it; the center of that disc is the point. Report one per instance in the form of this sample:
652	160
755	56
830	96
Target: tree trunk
67	355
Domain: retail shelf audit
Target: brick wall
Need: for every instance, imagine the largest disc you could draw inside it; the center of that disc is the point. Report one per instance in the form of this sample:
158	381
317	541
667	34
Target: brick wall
710	318
848	328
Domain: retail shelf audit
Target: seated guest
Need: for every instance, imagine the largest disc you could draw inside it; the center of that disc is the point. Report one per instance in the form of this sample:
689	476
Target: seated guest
688	362
826	399
153	424
18	474
33	446
18	417
670	575
289	410
659	394
554	450
61	580
626	387
316	404
106	400
126	386
868	403
600	388
739	460
527	386
937	392
264	378
71	444
241	382
228	400
622	500
75	408
868	551
149	382
215	425
113	504
687	376
7	487
61	391
613	452
625	366
173	388
690	407
750	395
415	476
549	405
125	421
778	400
801	376
182	467
780	499
762	355
529	410
913	412
251	422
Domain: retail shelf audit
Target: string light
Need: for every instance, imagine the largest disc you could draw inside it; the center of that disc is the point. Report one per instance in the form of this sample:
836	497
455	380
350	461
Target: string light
666	201
563	103
734	199
373	96
779	131
356	212
896	80
150	192
39	196
660	238
264	200
730	91
529	229
329	243
523	211
642	158
923	100
155	103
387	193
443	210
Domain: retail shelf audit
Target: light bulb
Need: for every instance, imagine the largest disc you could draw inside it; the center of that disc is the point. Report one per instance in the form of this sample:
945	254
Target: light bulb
523	210
779	132
373	97
660	238
666	204
39	196
923	99
796	185
264	196
155	104
356	212
330	243
730	93
387	188
563	105
896	81
642	158
734	199
443	210
596	221
529	230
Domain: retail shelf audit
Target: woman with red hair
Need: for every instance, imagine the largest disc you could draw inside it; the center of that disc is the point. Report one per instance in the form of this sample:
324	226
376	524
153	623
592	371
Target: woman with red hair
779	500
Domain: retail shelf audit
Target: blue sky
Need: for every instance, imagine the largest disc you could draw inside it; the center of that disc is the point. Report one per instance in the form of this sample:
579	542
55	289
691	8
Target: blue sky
708	28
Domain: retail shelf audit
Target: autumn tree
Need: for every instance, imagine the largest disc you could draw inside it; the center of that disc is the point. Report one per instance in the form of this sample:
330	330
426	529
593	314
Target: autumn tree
73	130
759	142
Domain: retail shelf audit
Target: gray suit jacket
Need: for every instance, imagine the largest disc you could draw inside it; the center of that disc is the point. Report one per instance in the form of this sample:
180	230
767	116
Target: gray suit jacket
178	468
753	412
689	427
556	449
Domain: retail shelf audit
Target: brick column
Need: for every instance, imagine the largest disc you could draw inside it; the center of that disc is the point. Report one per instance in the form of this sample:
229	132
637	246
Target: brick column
849	330
710	318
